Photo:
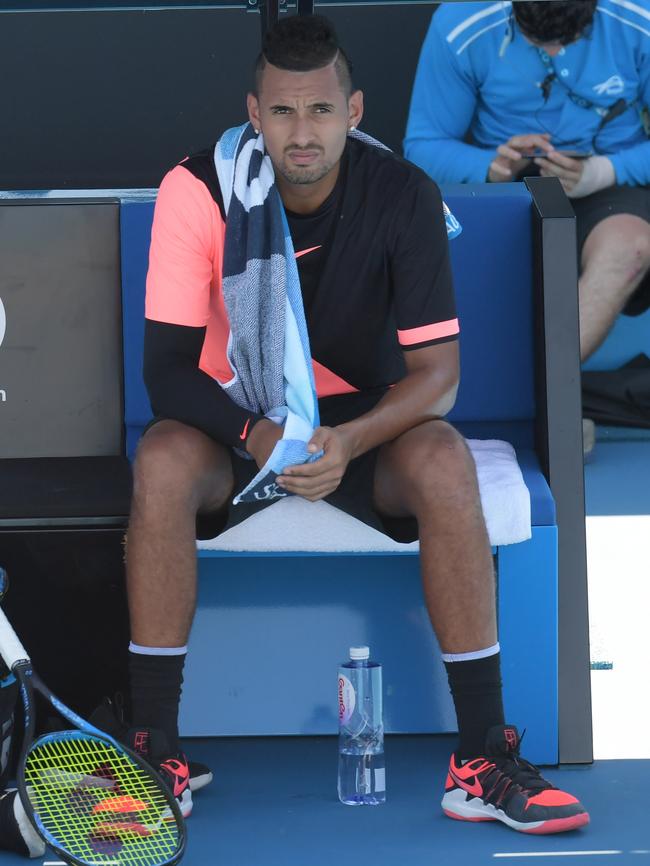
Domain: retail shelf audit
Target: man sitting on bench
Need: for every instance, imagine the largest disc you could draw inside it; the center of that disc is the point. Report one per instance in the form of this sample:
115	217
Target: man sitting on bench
557	89
370	243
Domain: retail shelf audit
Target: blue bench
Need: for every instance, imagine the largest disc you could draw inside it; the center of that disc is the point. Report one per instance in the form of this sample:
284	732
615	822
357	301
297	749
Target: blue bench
270	628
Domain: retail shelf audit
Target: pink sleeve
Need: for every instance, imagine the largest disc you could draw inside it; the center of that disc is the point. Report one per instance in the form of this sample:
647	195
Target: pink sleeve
182	255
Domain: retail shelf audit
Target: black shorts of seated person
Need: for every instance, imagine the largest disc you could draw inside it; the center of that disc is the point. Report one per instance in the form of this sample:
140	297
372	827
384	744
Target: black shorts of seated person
593	209
354	495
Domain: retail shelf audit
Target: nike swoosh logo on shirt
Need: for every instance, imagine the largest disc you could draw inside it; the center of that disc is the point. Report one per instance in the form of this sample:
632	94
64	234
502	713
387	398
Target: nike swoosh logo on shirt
310	250
243	433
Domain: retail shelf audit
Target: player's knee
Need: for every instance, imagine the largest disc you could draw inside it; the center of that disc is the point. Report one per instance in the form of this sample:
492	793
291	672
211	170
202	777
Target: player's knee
635	249
440	462
621	242
166	461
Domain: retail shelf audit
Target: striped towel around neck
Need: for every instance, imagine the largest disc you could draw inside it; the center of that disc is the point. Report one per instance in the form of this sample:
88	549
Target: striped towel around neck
268	347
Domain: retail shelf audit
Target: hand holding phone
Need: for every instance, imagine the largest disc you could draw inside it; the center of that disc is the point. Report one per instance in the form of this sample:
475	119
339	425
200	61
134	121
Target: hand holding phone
512	156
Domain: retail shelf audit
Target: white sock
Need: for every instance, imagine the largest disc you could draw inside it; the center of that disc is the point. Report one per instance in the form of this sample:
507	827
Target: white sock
157	650
468	657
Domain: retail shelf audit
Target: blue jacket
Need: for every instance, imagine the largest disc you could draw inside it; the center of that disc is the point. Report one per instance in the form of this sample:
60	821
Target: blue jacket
478	74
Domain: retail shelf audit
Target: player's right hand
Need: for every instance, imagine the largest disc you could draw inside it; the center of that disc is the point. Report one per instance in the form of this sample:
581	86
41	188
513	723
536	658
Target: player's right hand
510	160
318	479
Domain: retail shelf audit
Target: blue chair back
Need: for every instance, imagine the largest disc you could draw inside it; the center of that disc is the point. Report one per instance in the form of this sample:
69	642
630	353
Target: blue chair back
492	266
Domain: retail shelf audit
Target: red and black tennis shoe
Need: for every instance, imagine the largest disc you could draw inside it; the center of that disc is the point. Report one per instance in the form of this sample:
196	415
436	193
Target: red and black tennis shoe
501	786
109	717
151	744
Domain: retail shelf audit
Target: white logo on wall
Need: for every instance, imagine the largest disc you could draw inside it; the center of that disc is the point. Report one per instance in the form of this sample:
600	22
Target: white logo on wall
3	328
614	86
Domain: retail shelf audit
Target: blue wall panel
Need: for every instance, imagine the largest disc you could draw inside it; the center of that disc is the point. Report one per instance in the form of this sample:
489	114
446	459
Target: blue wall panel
270	632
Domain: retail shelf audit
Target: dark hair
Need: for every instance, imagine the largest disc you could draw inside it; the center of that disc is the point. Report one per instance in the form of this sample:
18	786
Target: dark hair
560	21
302	43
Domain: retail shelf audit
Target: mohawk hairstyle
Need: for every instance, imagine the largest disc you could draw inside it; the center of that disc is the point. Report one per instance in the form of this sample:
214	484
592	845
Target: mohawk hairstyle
302	43
561	21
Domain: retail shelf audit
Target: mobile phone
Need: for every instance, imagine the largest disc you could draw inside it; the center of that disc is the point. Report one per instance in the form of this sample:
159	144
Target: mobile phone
531	154
572	154
576	154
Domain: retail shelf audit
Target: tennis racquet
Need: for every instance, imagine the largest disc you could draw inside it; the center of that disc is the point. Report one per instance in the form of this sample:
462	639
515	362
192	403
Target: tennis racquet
90	799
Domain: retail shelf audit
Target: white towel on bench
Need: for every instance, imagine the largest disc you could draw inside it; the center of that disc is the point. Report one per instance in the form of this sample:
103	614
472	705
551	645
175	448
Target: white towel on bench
294	524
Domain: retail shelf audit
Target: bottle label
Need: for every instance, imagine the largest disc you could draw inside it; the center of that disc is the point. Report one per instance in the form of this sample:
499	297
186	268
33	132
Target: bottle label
347	699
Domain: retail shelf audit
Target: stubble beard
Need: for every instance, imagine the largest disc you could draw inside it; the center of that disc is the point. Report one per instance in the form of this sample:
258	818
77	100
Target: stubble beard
306	175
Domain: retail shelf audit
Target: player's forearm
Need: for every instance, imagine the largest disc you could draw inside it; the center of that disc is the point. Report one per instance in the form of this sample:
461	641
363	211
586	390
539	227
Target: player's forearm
179	390
422	395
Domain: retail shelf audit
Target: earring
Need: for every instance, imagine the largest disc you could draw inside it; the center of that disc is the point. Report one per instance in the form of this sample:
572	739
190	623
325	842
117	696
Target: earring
257	132
352	128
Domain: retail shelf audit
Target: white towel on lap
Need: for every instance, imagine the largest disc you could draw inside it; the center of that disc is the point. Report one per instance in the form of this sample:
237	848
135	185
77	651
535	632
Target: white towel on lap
294	524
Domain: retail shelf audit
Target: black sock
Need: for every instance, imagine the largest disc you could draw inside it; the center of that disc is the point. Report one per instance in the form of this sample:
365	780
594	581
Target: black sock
156	682
476	689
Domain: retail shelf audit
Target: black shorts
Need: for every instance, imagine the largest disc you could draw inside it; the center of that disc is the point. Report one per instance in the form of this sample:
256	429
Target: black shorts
354	495
592	209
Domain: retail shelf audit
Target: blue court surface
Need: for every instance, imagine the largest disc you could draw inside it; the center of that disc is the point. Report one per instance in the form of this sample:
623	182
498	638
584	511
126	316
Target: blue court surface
273	803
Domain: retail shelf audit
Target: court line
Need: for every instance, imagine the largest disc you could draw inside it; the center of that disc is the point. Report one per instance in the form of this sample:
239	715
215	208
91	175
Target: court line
556	853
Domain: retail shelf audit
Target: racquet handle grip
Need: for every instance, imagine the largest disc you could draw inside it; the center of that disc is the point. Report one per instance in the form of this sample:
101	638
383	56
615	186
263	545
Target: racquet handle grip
11	649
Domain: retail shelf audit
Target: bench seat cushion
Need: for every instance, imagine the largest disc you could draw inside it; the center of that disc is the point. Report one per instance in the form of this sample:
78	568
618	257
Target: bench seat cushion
293	524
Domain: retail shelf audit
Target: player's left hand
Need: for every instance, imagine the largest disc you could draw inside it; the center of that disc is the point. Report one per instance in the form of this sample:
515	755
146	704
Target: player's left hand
320	478
569	171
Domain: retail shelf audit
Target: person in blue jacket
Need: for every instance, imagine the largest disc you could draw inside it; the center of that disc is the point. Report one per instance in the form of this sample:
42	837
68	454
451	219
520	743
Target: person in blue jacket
557	88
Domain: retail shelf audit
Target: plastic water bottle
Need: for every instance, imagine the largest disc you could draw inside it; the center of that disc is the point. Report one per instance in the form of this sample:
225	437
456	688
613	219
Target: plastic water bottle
362	769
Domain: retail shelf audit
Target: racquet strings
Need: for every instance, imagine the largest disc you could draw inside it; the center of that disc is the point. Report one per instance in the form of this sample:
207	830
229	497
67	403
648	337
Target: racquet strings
97	804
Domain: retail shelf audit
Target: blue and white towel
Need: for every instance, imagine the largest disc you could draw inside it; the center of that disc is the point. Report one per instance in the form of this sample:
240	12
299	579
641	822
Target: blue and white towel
268	349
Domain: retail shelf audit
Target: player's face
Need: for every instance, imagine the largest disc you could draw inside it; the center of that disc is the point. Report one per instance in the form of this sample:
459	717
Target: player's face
305	117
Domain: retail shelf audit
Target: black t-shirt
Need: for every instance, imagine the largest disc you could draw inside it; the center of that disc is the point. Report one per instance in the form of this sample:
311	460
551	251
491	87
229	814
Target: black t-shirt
374	268
377	280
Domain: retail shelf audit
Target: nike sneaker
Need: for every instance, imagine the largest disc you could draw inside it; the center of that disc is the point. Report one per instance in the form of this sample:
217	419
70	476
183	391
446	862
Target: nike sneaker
109	717
151	744
501	786
200	775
